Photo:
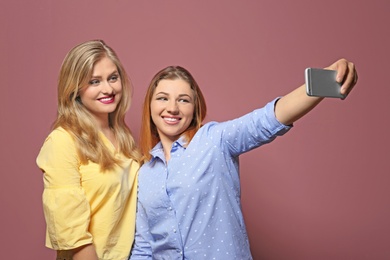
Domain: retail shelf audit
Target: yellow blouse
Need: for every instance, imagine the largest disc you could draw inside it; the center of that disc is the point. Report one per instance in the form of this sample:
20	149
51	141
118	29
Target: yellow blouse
83	205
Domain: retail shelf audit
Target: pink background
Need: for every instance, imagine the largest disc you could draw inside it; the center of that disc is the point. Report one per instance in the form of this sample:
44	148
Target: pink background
320	192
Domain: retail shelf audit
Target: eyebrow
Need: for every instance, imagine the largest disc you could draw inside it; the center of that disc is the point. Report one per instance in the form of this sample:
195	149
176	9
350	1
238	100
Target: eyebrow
185	95
180	95
112	73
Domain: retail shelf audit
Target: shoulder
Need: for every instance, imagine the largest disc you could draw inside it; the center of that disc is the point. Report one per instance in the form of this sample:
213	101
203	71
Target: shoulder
134	166
59	138
59	135
210	130
207	127
148	165
59	144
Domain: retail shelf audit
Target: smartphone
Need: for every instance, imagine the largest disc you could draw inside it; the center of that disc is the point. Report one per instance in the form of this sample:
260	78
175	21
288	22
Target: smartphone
322	83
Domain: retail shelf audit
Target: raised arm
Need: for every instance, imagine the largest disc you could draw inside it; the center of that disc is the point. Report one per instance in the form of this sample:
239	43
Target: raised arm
297	103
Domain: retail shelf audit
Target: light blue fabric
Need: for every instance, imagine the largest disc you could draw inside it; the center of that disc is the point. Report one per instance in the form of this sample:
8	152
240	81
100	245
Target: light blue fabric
190	208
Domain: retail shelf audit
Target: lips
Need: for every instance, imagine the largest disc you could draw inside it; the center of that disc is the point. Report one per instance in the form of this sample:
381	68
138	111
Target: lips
171	120
107	100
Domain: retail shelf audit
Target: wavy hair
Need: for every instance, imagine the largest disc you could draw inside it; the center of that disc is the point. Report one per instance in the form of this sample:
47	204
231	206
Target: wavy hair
149	135
73	116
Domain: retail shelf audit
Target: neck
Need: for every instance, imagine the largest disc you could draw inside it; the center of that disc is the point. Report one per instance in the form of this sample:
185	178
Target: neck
167	146
102	122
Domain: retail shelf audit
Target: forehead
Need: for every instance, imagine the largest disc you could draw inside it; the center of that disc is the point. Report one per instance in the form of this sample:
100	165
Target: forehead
103	65
173	86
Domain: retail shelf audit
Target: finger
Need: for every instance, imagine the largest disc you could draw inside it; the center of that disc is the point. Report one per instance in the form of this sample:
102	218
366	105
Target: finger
342	69
350	79
356	77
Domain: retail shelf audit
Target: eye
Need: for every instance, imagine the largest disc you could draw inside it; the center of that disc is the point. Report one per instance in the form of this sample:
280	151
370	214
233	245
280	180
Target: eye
162	98
114	78
184	100
94	82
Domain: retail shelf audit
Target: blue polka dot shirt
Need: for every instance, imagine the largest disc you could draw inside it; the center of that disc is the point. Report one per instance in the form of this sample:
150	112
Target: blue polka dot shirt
189	208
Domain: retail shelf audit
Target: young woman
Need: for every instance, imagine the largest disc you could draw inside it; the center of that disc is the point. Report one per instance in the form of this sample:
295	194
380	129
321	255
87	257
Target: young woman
189	189
89	160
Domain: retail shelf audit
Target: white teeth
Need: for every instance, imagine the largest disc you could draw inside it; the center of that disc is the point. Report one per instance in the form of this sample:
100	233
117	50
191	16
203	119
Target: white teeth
106	99
171	119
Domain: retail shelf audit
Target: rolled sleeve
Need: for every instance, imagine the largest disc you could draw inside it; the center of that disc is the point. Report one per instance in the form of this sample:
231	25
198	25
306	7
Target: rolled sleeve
66	209
272	122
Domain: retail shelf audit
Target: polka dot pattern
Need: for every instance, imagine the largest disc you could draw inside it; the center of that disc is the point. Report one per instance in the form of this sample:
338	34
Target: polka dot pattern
189	208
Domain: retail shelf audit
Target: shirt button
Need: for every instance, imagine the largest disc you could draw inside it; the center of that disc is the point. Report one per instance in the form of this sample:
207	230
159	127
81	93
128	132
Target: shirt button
174	231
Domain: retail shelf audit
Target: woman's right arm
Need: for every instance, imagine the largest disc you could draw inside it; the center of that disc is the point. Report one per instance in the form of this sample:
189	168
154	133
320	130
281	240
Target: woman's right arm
66	209
87	252
141	248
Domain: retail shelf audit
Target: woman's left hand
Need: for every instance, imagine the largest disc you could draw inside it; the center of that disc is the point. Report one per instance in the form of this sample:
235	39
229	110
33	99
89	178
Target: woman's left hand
346	75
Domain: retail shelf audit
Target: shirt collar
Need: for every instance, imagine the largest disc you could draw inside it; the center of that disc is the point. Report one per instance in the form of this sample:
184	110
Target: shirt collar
158	151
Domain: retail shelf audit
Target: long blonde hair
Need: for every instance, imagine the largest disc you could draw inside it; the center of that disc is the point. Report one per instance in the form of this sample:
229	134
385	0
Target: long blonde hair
149	135
72	115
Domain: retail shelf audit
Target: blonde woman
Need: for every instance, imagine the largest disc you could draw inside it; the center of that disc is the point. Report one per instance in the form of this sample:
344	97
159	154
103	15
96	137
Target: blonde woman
89	160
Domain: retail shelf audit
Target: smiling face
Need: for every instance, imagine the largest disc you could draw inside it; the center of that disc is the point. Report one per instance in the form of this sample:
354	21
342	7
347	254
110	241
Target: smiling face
104	90
172	108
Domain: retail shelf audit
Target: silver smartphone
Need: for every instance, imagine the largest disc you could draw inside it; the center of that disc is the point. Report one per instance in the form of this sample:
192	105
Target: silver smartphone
322	83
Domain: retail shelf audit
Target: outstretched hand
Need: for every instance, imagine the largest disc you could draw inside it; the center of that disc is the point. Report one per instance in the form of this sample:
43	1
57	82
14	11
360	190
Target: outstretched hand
297	103
346	75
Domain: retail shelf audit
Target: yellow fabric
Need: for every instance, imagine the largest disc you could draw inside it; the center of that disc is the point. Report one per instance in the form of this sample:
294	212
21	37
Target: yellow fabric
83	205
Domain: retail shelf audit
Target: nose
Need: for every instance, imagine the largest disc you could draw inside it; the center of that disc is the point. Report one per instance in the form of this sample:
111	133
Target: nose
172	107
107	88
